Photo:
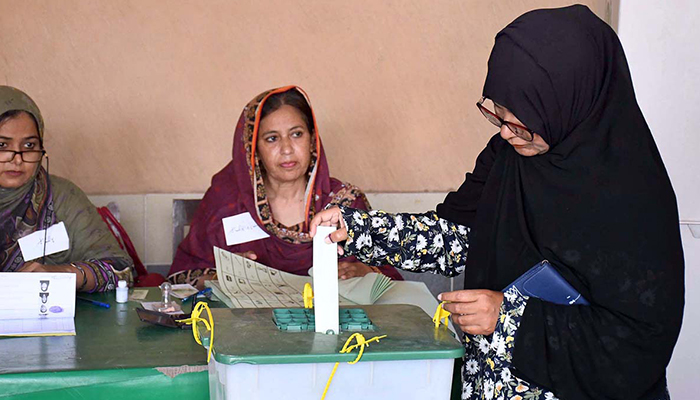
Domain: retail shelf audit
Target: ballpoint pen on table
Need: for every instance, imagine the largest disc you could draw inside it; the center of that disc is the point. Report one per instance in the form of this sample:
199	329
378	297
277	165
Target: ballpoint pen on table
190	297
95	302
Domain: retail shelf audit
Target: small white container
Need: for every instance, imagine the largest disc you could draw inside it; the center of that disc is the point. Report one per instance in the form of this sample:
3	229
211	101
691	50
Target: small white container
122	292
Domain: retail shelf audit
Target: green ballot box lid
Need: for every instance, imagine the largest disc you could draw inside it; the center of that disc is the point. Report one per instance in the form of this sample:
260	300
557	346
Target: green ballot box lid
253	336
303	319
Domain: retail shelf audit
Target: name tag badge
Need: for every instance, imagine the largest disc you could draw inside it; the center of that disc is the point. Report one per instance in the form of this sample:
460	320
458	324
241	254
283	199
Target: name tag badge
32	246
242	229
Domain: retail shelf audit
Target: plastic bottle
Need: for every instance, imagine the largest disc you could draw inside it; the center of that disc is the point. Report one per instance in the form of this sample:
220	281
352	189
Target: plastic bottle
122	292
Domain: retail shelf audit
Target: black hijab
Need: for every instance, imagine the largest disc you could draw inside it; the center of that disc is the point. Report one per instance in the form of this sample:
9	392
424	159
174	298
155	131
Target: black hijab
598	205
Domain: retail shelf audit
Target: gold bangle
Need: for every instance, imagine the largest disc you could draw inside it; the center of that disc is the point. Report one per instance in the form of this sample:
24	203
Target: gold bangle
82	286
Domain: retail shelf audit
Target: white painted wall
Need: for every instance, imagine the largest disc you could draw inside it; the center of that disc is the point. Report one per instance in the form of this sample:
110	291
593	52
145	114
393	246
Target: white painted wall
662	43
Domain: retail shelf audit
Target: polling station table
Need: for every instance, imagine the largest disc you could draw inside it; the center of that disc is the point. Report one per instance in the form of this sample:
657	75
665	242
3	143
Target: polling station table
115	355
112	355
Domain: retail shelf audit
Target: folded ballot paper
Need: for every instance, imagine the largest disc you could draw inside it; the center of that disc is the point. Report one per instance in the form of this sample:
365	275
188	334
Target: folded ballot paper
244	283
544	282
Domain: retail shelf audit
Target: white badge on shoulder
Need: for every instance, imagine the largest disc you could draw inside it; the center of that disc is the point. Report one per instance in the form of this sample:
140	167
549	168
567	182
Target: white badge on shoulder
32	245
241	229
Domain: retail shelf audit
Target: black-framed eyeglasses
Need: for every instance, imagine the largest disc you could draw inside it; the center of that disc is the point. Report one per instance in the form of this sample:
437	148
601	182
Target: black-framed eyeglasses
28	156
519	130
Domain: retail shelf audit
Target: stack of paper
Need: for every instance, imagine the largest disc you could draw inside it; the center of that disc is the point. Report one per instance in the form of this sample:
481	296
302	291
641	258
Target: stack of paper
365	290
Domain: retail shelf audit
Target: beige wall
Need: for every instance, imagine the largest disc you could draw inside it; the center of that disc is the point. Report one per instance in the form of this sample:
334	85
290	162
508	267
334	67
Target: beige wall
141	96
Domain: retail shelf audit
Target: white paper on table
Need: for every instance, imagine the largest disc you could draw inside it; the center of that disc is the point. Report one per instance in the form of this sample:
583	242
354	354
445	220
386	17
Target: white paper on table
37	304
138	294
326	305
242	229
182	290
32	245
156	305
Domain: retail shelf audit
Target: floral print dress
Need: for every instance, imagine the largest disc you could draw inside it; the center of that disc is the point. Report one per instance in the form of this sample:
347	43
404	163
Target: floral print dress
427	243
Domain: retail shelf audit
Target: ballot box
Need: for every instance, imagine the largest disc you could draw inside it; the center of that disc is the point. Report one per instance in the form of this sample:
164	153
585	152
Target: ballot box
275	354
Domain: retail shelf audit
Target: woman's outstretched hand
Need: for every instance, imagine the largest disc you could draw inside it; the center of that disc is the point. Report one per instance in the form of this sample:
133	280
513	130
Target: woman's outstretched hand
474	311
330	217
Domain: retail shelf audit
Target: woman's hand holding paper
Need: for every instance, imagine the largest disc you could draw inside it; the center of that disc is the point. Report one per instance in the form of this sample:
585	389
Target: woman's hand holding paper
331	217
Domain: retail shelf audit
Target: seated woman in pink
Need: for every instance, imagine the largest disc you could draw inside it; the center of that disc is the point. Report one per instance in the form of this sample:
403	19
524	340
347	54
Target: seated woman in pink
279	175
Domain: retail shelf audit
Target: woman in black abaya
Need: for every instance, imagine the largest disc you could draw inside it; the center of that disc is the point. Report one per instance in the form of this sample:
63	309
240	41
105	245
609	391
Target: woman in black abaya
574	177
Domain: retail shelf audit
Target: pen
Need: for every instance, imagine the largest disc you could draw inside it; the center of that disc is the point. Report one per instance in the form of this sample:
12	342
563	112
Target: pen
97	303
192	296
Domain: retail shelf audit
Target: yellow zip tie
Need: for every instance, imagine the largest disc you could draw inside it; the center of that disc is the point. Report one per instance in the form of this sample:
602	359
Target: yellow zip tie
308	296
361	343
441	314
201	306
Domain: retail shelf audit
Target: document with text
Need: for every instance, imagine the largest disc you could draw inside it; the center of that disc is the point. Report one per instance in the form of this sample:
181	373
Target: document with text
244	283
37	304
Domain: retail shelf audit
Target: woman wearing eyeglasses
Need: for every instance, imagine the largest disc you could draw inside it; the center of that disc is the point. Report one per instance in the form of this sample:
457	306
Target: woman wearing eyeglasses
573	177
32	200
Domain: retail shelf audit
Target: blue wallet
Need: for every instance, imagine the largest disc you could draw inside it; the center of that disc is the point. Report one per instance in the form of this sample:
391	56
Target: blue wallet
544	282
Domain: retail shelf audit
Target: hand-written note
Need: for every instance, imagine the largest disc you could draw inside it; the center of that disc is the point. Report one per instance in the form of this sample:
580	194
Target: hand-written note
56	238
241	229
